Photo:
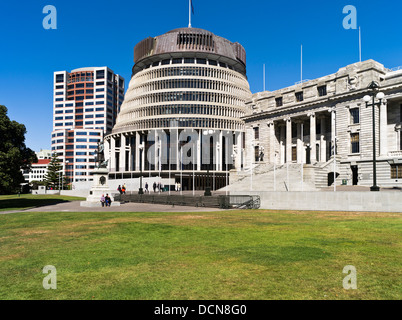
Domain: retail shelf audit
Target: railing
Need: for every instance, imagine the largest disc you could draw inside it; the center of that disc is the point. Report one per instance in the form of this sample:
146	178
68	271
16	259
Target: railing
396	69
302	81
395	153
221	201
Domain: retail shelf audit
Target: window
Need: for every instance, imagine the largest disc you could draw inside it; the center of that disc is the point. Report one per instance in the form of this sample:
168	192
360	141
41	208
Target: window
81	153
81	133
60	87
59	78
212	62
100	109
58	118
88	116
354	116
94	133
256	133
400	113
354	141
100	74
201	61
100	96
177	60
188	60
396	171
279	102
81	140
400	140
299	96
59	99
322	91
100	89
59	93
166	61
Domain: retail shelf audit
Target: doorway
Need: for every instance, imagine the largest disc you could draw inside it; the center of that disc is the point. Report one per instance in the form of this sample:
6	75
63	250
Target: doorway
355	175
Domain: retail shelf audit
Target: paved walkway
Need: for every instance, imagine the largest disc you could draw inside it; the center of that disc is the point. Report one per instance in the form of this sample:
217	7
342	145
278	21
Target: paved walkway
74	206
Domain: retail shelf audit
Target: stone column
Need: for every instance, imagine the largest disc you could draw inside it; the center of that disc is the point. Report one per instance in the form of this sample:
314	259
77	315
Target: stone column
219	152
323	142
137	151
113	152
333	129
383	129
312	138
122	160
199	150
299	141
288	139
271	148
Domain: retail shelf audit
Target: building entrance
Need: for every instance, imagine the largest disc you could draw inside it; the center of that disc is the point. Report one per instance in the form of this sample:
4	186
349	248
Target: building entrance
355	175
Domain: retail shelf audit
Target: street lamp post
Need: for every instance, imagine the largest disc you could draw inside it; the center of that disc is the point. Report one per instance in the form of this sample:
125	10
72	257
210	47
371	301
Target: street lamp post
374	86
140	190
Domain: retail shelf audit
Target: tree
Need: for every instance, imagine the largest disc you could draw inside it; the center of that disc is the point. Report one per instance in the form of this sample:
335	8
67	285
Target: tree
14	155
53	176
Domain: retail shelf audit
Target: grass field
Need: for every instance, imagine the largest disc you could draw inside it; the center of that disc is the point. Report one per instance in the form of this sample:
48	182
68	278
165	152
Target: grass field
250	254
27	201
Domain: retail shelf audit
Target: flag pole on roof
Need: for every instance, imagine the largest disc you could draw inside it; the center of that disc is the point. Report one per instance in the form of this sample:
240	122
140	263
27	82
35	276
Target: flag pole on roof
190	11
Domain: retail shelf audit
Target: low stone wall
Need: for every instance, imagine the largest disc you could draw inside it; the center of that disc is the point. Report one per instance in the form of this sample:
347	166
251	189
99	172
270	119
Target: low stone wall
390	201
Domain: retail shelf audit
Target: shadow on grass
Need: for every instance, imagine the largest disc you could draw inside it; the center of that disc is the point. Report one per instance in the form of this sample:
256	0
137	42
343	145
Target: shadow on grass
27	203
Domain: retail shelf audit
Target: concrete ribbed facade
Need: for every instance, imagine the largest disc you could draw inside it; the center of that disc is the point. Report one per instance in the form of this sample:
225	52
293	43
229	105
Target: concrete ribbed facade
188	79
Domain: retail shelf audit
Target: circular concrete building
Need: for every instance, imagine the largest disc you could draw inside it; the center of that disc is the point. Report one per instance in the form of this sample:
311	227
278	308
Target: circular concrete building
186	80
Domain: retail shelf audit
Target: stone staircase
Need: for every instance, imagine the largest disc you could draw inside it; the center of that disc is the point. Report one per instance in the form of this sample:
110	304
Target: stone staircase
286	177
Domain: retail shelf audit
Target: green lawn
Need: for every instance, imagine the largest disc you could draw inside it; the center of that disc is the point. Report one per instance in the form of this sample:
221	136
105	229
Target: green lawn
27	201
250	254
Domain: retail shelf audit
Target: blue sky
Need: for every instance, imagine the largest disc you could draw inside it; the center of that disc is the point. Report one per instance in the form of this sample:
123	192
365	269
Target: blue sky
102	32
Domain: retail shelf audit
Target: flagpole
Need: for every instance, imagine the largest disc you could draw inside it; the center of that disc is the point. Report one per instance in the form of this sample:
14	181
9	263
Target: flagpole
301	63
263	76
360	45
189	13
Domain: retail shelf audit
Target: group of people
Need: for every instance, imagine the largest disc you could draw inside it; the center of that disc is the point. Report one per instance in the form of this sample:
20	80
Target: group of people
122	189
155	186
105	200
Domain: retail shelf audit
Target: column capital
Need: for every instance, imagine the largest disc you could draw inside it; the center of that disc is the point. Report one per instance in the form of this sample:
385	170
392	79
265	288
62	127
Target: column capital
332	109
311	114
287	119
270	123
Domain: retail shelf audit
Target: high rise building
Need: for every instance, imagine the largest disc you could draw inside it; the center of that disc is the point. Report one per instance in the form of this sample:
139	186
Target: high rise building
85	108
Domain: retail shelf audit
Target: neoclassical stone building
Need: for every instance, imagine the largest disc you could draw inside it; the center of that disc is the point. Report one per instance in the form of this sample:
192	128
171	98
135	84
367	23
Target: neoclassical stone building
301	124
187	78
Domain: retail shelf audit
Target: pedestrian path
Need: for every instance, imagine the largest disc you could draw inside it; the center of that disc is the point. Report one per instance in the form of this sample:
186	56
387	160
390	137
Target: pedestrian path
74	206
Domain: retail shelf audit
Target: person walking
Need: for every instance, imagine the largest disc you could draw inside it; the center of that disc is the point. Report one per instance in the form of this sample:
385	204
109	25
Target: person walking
124	188
119	189
146	187
176	186
102	200
154	187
